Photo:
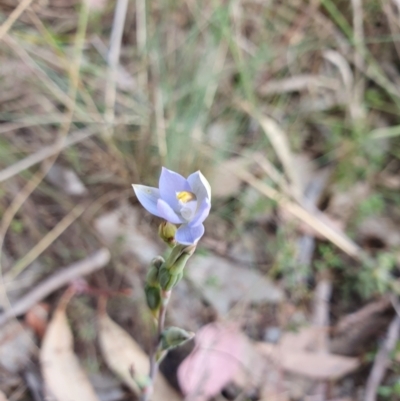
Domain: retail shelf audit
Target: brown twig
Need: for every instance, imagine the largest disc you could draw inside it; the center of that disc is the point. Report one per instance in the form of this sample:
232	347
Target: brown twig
382	360
321	322
86	266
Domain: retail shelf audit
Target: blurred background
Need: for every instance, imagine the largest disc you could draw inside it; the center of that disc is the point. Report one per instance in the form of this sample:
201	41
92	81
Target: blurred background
289	108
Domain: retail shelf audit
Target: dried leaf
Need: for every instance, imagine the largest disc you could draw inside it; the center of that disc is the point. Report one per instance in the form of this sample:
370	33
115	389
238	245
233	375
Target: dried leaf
317	366
123	355
213	363
302	340
64	378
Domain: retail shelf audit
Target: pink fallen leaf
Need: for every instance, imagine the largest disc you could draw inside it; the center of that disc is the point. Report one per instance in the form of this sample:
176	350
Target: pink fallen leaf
213	363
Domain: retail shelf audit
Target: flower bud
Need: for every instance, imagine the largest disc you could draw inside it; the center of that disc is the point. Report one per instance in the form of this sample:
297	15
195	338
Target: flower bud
152	274
173	337
152	287
167	231
171	272
153	297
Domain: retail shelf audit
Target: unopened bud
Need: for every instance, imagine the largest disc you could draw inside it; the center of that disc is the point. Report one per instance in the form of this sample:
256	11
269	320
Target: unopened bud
167	231
171	272
153	297
152	274
173	337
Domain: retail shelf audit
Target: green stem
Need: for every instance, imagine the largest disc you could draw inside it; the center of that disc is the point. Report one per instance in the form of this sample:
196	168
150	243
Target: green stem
154	364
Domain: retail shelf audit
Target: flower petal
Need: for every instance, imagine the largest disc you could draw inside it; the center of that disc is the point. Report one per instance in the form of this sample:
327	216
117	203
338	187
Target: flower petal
201	214
170	183
148	197
189	235
200	186
166	212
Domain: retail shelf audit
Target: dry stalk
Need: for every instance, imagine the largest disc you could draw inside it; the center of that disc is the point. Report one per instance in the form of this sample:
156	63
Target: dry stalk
94	262
382	360
113	61
44	243
9	22
314	219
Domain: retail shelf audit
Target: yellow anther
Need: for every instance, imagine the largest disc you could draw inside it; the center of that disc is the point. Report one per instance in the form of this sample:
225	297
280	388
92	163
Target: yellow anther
185	196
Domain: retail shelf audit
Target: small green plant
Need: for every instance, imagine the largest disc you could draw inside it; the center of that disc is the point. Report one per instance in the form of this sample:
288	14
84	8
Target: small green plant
376	277
329	259
392	391
186	202
372	205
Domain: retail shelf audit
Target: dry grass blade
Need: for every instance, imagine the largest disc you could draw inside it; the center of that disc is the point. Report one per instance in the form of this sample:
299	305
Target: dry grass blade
382	360
96	261
322	296
64	378
280	143
44	243
313	220
113	58
45	153
13	17
57	92
123	356
295	84
358	94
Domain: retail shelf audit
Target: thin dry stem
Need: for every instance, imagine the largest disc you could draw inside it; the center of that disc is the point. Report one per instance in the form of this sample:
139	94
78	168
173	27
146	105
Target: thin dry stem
358	90
113	61
382	360
9	22
44	243
312	219
94	262
159	109
46	153
279	142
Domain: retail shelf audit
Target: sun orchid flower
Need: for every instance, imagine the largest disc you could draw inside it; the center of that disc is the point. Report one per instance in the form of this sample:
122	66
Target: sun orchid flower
179	200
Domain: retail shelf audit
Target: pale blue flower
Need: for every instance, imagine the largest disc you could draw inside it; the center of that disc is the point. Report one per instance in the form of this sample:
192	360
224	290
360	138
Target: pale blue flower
179	201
